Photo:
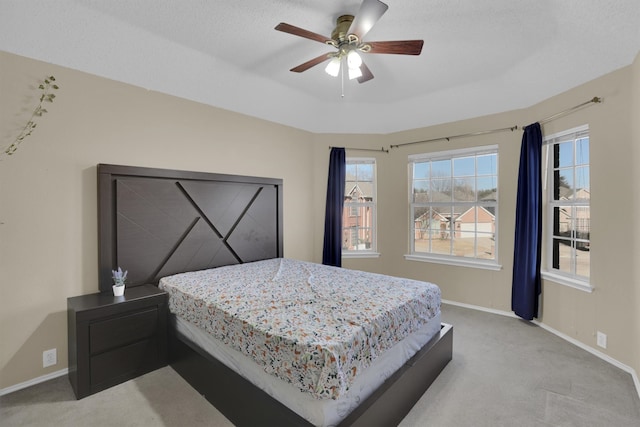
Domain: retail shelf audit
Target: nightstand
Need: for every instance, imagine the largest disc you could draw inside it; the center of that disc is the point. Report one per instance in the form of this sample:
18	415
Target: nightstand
113	339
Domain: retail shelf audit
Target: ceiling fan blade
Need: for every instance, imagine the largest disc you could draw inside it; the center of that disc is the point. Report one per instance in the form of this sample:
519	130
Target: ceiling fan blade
370	12
297	31
400	47
366	73
311	63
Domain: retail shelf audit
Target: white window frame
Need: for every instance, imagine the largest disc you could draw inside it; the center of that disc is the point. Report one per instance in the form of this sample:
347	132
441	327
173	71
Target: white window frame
372	251
547	271
489	264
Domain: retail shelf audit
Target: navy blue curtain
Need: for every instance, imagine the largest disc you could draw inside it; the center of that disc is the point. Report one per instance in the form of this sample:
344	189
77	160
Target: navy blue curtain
332	248
526	285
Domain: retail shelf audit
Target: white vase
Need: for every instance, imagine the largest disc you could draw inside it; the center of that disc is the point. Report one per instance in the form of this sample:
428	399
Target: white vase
118	291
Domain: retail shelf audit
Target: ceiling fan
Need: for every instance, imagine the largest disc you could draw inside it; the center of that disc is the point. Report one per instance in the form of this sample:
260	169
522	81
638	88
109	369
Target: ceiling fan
347	38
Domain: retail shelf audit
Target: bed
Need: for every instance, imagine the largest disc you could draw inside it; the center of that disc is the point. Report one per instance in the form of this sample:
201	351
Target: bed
198	235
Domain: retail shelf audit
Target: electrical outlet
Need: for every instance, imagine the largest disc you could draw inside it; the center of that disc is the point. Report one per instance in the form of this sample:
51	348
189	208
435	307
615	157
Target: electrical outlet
601	339
49	357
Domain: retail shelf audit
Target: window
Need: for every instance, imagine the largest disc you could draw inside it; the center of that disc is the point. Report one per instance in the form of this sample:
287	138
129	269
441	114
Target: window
359	218
453	206
568	218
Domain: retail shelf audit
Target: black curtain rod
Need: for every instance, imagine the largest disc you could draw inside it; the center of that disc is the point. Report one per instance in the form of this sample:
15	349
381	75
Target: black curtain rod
449	138
594	100
362	149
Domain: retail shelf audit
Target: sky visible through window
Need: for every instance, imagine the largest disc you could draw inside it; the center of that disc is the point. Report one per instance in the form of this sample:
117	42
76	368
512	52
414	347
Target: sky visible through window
359	172
483	167
566	163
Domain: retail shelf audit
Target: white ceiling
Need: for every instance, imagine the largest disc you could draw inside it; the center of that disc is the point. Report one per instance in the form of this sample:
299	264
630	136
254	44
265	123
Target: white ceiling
479	56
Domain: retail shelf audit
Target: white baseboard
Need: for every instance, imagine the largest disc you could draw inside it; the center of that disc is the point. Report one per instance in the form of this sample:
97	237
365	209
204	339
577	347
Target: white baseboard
480	308
34	381
565	337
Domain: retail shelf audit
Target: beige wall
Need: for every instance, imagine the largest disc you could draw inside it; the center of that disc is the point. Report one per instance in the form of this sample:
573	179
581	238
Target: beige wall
613	307
609	308
634	297
48	199
48	236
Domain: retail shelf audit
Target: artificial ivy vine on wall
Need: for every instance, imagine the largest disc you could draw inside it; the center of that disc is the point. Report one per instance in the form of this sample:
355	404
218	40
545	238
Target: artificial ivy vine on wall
47	87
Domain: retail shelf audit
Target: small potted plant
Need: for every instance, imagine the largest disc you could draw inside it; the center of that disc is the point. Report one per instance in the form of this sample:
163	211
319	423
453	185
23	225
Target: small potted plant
118	279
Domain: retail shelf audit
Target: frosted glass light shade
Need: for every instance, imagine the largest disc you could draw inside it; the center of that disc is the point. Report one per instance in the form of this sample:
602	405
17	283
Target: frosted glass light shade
333	67
353	59
354	73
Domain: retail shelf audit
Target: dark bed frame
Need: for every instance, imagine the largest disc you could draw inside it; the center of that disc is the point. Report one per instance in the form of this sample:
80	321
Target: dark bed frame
157	222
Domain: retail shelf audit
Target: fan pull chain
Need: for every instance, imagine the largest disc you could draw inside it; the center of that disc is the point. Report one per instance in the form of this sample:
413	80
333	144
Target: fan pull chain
342	78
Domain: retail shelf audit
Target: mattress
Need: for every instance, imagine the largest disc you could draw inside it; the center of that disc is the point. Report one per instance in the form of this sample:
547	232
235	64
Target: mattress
319	412
313	326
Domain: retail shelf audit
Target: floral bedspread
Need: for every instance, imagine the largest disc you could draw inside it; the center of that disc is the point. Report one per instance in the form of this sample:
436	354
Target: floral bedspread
312	325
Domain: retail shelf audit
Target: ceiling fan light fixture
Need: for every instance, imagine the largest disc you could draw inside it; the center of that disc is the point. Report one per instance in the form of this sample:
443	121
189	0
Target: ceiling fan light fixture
348	39
353	59
333	67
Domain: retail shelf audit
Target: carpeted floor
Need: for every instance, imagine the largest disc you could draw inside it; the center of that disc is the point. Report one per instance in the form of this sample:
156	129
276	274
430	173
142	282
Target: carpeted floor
504	372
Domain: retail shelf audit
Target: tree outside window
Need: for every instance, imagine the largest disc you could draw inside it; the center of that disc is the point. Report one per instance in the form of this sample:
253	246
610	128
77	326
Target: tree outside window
453	204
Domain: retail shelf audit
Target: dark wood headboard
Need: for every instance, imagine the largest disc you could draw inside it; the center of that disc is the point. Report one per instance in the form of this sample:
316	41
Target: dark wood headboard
158	222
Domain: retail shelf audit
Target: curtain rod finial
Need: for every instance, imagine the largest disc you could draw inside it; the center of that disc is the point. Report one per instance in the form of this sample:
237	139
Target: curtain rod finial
596	99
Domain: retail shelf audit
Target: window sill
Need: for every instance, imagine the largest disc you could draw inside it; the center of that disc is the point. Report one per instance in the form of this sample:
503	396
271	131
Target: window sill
567	281
362	254
462	262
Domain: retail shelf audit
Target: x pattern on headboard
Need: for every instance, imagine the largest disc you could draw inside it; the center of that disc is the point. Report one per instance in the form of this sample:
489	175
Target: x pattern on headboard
156	222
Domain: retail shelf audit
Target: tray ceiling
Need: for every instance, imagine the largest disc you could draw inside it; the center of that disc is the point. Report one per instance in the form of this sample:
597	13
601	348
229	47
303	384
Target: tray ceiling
479	57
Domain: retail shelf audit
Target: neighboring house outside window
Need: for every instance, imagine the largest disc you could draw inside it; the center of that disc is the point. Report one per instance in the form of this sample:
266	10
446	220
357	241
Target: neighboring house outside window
568	214
359	217
453	207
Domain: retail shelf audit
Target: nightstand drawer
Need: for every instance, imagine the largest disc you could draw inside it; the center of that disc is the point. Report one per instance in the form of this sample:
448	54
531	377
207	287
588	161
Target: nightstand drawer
123	330
123	362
